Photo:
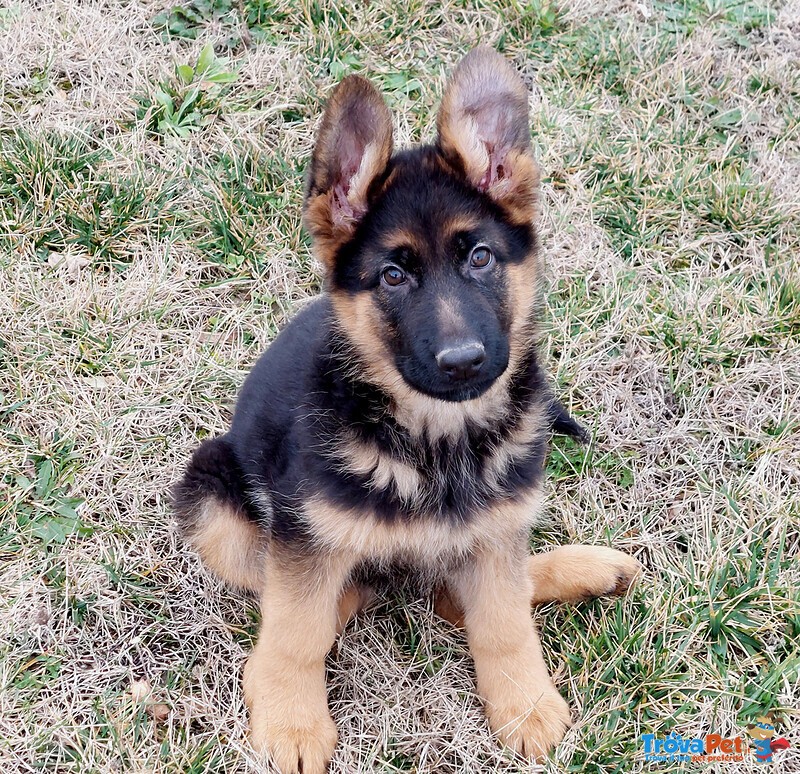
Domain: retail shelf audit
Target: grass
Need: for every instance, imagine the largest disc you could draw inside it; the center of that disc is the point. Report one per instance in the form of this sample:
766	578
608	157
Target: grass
149	253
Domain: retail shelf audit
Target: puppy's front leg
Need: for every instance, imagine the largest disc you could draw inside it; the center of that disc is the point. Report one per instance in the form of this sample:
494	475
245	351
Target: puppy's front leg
523	706
284	679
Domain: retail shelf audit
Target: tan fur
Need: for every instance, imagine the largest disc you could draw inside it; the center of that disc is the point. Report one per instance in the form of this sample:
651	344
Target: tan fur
284	679
447	608
494	590
403	478
477	82
565	574
229	543
525	289
384	471
530	427
424	416
399	238
458	223
463	137
519	194
576	573
359	320
488	581
450	318
438	543
353	600
317	219
355	114
372	164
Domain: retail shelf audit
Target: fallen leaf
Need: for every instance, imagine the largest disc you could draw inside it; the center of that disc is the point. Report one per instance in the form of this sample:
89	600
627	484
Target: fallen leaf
140	690
159	712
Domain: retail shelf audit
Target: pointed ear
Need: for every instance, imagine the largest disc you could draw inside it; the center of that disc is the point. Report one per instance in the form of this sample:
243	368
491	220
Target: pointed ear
352	150
484	133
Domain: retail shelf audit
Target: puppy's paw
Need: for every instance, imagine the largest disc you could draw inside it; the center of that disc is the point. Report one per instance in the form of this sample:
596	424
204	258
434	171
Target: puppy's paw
530	726
610	572
294	749
289	717
576	573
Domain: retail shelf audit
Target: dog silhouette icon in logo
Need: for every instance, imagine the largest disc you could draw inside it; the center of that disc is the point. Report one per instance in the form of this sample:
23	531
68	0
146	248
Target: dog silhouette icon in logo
761	732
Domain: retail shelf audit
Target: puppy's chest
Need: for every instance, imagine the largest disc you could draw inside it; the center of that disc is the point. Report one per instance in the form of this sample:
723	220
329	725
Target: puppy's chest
427	543
449	477
427	503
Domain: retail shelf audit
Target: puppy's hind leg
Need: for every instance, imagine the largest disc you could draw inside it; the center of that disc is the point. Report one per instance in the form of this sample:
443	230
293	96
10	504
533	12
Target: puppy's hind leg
209	504
565	574
576	573
353	600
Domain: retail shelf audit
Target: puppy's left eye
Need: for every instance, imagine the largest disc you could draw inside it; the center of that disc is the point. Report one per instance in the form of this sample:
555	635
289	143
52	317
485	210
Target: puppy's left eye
481	257
392	276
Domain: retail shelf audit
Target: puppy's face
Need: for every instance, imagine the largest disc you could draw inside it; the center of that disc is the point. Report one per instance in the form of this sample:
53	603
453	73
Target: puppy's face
430	257
430	253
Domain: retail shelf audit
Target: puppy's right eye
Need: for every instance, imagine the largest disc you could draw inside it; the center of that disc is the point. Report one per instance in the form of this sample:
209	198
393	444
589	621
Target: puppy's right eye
392	276
481	257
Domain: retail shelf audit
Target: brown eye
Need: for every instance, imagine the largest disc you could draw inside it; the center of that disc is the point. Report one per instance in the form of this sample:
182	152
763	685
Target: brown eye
481	257
393	276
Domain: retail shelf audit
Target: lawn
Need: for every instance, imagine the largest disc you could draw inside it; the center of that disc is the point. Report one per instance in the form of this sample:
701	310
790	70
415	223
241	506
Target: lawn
151	247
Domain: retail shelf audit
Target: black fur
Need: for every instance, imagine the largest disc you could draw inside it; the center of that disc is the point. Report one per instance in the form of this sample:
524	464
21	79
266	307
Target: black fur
213	472
562	423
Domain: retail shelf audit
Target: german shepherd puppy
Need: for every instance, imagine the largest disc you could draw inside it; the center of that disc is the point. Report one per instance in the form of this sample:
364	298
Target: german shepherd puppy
401	420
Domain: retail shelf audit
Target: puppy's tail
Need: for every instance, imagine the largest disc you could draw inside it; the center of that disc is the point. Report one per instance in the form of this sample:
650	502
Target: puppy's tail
562	423
210	507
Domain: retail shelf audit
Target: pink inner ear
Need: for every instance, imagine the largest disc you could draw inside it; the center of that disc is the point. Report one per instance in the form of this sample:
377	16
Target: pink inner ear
349	155
342	211
496	170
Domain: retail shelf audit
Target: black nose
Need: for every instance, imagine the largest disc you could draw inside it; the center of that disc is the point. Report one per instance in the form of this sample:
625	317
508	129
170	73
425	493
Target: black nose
461	361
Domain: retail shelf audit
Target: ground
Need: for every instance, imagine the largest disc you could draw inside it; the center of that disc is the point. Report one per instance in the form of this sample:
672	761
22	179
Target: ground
151	247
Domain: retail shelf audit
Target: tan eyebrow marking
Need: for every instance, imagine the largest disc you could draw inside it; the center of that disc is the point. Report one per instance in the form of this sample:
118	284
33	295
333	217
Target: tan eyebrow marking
460	223
401	238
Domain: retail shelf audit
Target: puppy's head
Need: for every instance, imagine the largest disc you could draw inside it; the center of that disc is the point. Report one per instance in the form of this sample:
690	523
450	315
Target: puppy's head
429	254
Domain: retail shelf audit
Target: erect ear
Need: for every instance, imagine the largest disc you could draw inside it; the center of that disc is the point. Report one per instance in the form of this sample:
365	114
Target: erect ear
484	132
353	148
